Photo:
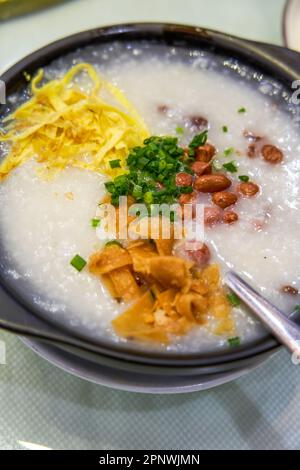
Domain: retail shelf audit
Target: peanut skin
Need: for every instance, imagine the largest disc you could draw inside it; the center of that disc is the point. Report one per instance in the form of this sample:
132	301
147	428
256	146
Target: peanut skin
212	215
248	189
205	153
201	168
212	183
184	179
230	217
272	154
224	199
202	256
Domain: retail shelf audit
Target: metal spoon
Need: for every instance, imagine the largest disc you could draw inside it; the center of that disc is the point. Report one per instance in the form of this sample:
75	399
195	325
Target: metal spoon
285	330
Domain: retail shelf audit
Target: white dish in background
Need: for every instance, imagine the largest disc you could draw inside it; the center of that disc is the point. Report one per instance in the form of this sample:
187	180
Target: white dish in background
291	24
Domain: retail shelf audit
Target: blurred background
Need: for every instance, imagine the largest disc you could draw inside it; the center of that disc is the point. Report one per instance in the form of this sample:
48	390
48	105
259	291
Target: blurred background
26	25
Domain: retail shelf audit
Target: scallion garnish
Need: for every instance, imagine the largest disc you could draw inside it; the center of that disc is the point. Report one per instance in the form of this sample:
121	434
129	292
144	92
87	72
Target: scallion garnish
186	189
115	164
225	129
160	159
179	130
234	342
296	310
173	216
78	263
244	178
137	191
148	197
229	151
199	140
233	300
231	167
95	222
242	110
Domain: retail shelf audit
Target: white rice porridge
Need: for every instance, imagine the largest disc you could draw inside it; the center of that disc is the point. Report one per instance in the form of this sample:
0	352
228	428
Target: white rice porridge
42	228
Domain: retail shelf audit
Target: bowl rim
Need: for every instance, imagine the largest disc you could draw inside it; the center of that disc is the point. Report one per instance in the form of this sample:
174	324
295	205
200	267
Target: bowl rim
259	55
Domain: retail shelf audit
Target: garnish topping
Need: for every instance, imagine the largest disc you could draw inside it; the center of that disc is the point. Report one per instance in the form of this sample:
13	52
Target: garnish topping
78	263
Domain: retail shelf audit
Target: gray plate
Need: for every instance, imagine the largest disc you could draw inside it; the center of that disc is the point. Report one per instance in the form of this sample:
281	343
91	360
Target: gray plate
130	381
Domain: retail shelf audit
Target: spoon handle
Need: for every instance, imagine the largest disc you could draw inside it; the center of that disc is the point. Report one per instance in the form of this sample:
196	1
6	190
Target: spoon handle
285	330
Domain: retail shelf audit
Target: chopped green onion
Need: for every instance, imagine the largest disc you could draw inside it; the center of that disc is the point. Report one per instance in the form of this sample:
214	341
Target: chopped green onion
148	197
233	300
158	160
234	342
242	110
186	189
173	216
244	178
199	140
229	151
109	185
231	167
78	263
179	130
225	129
95	222
115	164
113	242
296	310
137	191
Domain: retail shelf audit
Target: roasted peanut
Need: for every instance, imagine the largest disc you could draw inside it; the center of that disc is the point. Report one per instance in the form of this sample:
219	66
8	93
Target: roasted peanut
212	215
162	108
201	168
290	290
248	189
201	256
184	179
252	151
199	122
212	183
205	153
188	198
272	154
224	199
230	217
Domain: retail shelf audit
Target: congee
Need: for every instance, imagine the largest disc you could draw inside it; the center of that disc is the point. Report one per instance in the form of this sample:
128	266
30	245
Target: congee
136	137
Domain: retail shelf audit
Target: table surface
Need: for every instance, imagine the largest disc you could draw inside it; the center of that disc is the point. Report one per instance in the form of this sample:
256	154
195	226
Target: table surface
42	406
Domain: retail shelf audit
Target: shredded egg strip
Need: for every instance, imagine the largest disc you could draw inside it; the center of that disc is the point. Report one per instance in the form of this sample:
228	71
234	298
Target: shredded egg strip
62	126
